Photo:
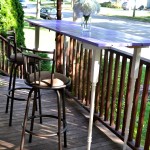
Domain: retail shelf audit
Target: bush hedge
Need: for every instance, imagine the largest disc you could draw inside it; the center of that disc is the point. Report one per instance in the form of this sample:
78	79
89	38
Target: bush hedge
106	4
110	5
11	17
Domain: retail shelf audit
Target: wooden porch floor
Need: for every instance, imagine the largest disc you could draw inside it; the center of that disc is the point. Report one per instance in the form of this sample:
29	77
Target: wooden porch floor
77	119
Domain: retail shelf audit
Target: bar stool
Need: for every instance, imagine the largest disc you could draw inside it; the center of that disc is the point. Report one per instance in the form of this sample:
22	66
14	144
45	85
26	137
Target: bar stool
45	80
15	59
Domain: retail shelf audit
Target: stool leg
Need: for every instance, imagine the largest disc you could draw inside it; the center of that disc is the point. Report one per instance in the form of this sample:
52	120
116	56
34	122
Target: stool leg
59	120
40	107
64	117
12	96
33	113
9	87
25	120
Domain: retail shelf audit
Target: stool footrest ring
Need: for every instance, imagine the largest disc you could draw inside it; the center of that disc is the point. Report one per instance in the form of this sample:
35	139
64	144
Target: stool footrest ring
45	135
23	92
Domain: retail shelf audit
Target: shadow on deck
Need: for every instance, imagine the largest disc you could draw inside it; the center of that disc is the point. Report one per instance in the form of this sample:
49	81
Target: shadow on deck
77	119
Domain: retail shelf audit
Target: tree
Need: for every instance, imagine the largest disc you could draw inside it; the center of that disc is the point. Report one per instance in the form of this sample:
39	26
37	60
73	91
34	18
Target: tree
11	17
38	9
134	9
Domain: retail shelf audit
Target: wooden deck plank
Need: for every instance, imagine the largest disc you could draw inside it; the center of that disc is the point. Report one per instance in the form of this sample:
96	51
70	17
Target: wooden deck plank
77	119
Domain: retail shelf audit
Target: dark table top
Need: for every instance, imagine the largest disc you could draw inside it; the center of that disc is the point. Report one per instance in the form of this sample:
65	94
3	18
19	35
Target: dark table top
99	37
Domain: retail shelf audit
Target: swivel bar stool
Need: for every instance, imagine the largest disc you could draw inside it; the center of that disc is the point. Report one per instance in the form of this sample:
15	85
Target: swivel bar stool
45	80
15	58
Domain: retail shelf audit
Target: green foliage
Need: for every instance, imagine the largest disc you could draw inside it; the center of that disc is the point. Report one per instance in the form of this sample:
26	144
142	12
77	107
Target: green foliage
110	5
11	17
146	118
143	75
46	65
7	20
106	4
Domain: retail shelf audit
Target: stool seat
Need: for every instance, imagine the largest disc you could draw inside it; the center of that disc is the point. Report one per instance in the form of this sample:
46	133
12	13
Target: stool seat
59	80
16	58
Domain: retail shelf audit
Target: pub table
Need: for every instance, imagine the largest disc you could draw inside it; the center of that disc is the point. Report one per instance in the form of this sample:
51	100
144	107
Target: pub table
98	38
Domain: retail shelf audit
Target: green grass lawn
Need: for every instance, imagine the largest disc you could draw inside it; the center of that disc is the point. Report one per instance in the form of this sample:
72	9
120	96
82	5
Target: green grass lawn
143	15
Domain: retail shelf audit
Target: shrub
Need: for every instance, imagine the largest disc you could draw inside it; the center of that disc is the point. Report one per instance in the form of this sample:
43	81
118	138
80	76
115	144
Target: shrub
110	5
11	17
106	4
46	65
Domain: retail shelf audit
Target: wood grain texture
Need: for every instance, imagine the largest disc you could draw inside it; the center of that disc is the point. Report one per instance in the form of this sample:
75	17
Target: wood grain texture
77	126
